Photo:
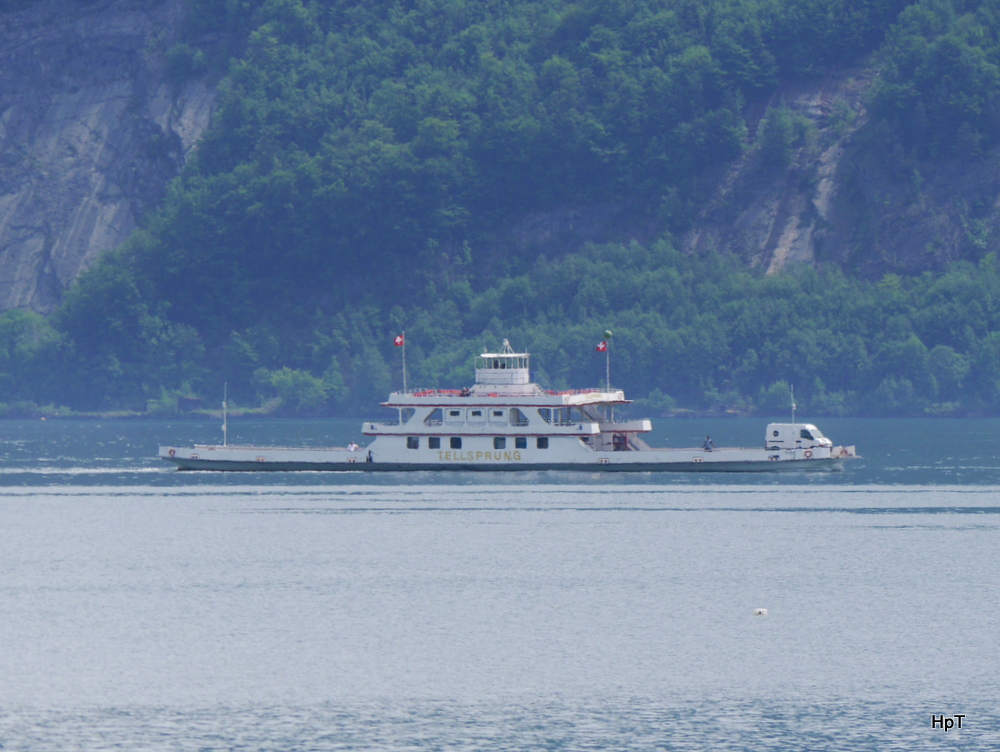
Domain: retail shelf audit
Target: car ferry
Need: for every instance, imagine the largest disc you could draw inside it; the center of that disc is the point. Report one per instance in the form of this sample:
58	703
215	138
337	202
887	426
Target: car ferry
506	422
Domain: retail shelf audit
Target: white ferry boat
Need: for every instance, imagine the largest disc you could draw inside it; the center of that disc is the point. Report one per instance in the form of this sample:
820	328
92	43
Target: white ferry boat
505	422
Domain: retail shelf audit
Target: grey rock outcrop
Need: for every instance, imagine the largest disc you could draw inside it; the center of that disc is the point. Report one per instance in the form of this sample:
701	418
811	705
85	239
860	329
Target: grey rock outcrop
91	132
841	202
774	217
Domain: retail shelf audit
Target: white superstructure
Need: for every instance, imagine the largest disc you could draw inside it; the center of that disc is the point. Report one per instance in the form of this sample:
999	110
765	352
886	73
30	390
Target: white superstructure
506	422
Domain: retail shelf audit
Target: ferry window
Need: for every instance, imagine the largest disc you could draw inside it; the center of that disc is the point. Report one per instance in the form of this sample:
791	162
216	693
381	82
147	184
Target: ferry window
520	442
546	414
805	434
405	414
456	442
774	433
498	416
434	442
564	415
413	442
499	442
453	416
517	418
433	417
542	442
477	415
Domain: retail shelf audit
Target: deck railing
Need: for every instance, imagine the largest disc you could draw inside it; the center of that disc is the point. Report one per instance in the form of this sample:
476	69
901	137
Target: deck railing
434	393
466	393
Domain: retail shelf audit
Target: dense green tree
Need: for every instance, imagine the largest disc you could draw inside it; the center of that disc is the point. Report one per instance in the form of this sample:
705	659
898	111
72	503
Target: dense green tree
940	87
365	158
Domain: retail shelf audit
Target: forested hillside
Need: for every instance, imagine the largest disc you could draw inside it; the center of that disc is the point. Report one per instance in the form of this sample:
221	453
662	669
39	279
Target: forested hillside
367	159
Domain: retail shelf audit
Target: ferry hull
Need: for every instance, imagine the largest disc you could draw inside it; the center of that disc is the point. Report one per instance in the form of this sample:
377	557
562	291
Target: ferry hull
222	459
677	467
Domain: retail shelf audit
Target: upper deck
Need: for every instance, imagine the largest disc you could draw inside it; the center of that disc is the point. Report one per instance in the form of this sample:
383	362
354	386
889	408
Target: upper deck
538	398
505	378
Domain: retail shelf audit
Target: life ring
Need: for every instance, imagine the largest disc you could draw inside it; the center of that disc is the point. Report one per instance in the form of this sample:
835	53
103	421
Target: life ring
172	452
809	454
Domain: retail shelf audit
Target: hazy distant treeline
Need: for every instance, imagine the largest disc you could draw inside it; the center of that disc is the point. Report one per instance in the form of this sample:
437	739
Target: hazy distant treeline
688	332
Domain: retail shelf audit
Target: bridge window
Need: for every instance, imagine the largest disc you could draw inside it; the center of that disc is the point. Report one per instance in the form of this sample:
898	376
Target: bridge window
805	434
502	362
499	442
542	442
562	416
433	417
546	414
434	442
405	414
456	442
517	418
413	442
520	442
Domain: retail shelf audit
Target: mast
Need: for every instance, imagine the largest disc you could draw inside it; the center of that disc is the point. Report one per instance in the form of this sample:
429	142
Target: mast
607	355
225	414
400	341
607	366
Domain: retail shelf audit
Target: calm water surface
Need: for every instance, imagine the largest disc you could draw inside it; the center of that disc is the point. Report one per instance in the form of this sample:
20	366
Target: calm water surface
146	609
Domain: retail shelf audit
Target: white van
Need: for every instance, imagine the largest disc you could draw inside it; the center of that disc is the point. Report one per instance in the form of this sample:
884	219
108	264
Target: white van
794	436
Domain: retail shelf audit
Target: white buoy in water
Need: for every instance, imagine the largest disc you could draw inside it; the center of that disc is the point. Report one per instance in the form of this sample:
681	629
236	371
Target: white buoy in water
760	612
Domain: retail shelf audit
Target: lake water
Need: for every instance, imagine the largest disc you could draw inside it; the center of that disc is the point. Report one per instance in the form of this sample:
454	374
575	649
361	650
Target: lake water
146	609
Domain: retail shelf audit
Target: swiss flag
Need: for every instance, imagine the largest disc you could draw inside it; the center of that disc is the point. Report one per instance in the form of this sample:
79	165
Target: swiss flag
602	346
398	340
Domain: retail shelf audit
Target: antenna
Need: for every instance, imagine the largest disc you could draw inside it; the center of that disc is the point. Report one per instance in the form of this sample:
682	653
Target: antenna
791	390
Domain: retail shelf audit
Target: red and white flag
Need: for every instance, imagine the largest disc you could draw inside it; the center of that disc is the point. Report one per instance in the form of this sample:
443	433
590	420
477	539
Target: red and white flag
602	346
398	341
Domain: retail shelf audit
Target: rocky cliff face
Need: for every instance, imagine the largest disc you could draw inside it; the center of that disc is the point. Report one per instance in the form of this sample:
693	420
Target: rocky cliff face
843	200
91	132
92	129
838	196
772	215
